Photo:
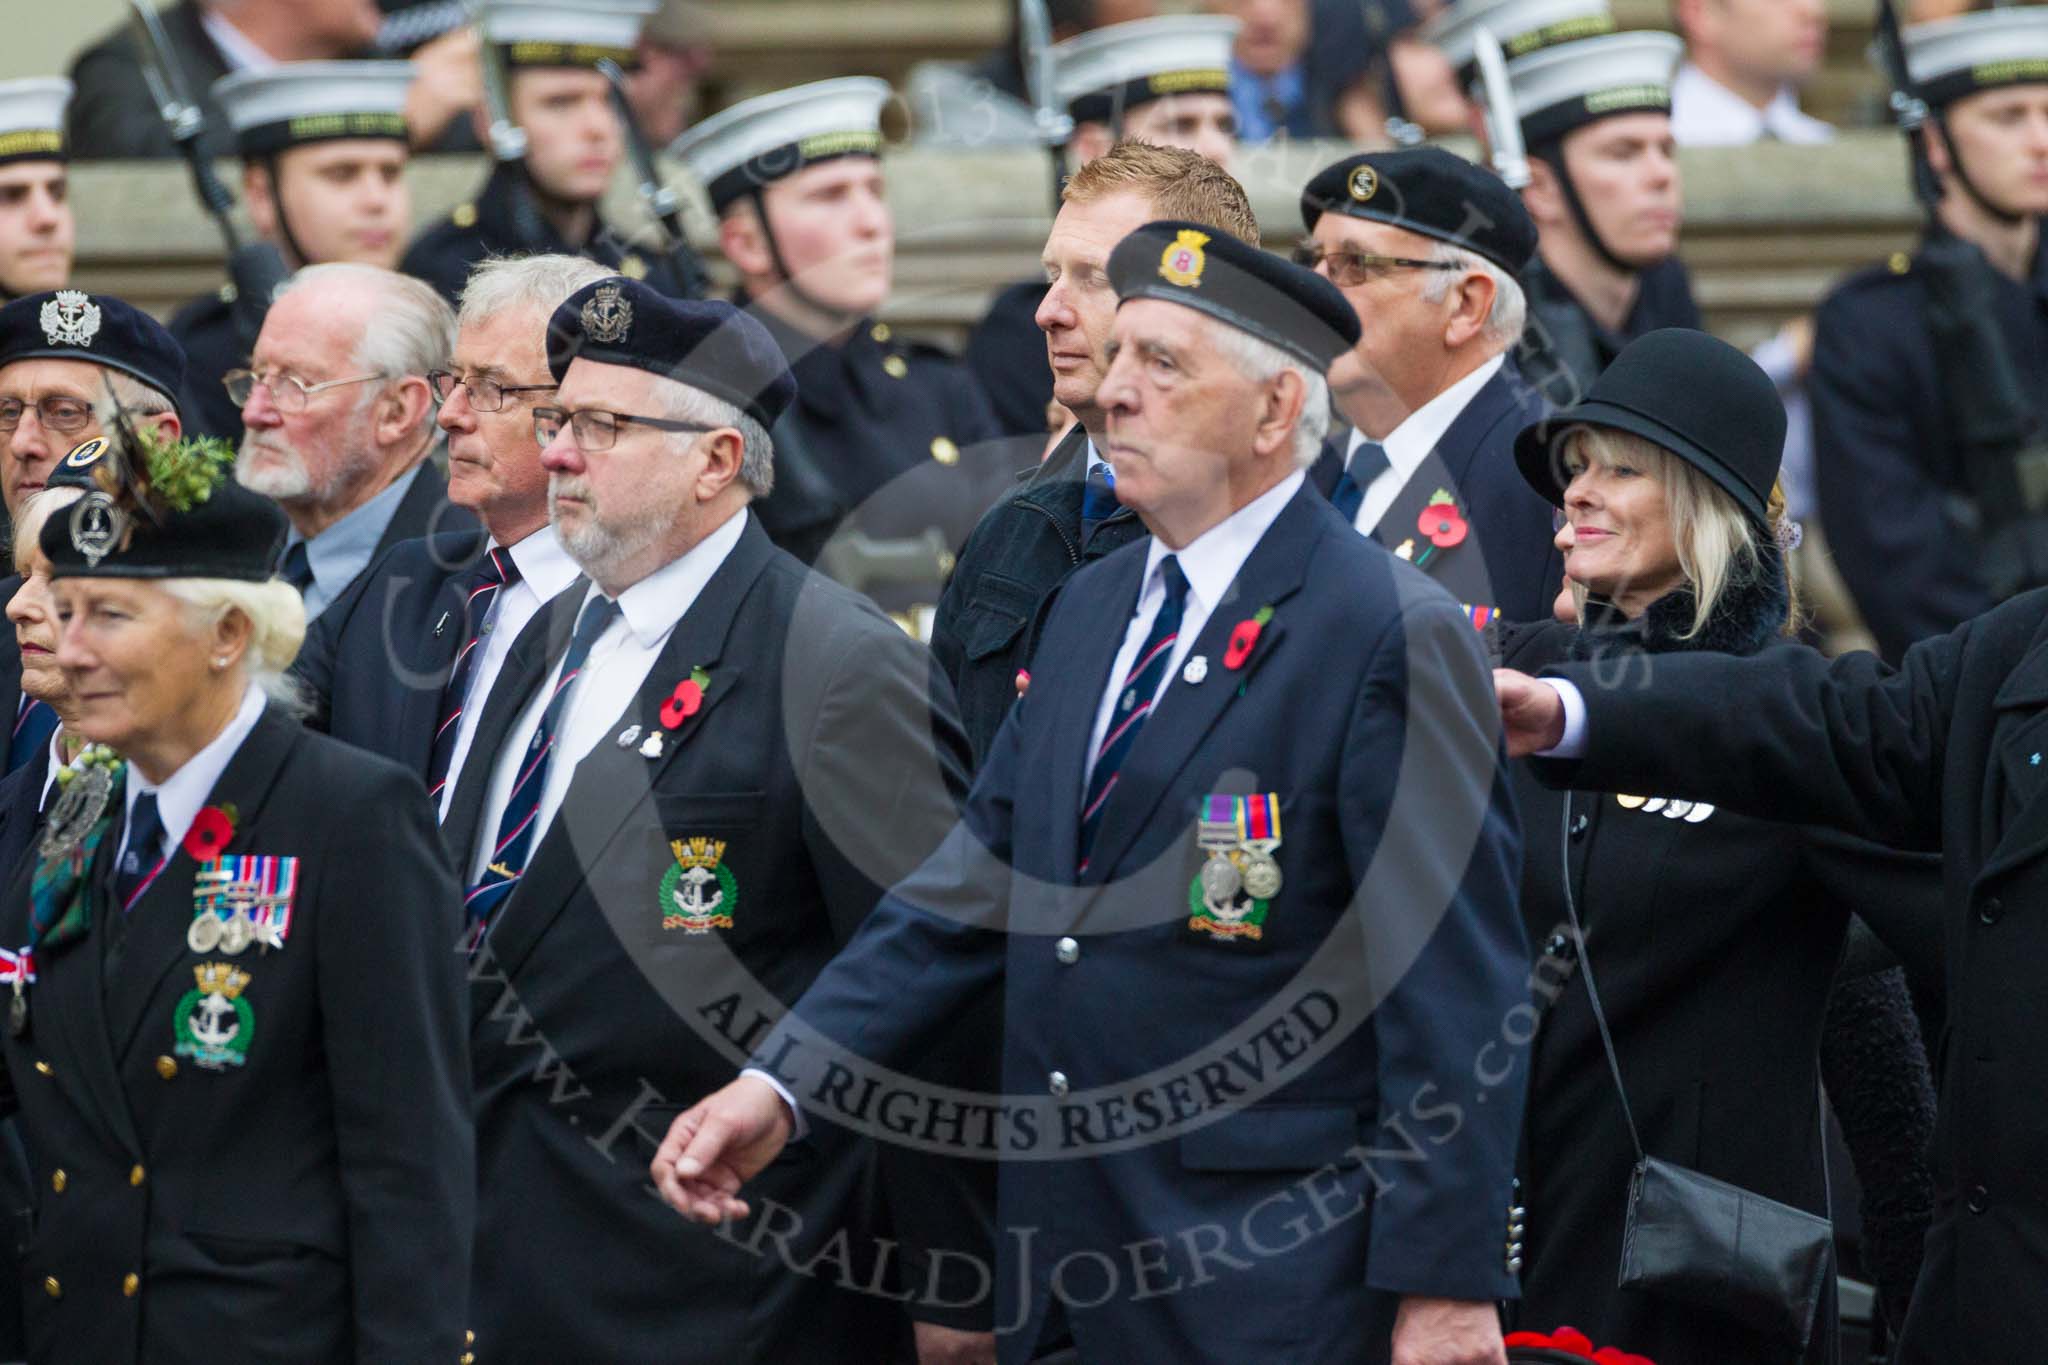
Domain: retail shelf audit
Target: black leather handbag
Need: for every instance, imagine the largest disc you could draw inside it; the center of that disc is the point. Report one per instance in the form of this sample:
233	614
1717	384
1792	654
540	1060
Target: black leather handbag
1704	1242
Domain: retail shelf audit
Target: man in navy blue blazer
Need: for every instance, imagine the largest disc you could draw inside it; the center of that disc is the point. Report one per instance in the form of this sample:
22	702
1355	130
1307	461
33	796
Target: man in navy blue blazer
403	660
1427	247
1243	859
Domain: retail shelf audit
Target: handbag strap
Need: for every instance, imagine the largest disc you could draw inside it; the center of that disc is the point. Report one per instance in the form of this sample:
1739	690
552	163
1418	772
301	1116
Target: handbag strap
1571	912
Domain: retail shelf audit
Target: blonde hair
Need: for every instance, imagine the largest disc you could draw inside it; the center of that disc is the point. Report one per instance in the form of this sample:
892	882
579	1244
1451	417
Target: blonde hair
277	626
1717	544
1181	184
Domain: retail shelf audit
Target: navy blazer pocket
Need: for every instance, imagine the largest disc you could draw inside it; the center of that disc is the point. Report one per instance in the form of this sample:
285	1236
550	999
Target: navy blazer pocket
1278	1137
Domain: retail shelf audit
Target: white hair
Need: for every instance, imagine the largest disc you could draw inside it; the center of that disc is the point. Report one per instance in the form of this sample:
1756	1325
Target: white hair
1510	311
277	627
1261	361
36	510
757	449
542	283
411	330
140	399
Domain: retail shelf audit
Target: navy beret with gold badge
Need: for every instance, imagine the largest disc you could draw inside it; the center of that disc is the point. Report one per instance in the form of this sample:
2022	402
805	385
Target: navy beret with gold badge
705	343
1431	192
1252	290
100	329
174	511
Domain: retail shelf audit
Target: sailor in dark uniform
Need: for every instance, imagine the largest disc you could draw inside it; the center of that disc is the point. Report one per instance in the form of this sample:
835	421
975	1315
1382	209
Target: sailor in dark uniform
1604	190
547	201
1890	400
886	459
36	230
1165	81
324	151
234	1037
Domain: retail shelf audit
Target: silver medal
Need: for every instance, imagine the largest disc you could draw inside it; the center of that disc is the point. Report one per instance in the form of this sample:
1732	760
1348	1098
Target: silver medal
1262	876
1221	880
204	935
236	935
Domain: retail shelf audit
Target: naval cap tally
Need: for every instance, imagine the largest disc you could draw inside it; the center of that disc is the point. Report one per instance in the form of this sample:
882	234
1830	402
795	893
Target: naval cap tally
1125	65
764	139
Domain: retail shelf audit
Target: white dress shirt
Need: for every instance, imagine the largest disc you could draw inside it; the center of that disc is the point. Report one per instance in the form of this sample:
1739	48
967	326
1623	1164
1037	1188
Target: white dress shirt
240	53
545	569
1573	744
182	795
1706	113
618	665
1409	444
1211	562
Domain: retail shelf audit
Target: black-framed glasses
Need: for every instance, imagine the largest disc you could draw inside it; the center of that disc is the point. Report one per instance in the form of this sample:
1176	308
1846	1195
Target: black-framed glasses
595	430
1350	268
65	416
287	391
485	394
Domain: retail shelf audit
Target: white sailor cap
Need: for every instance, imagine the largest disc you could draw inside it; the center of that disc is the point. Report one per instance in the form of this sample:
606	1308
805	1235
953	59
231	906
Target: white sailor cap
32	118
1557	89
1951	58
298	102
1126	65
761	140
1522	26
566	32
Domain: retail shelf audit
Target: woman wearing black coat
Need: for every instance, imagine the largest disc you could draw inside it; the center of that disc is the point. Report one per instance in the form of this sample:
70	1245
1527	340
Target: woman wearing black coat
1714	937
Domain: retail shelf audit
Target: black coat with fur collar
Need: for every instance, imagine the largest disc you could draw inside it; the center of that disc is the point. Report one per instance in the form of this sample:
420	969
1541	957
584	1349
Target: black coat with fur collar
1715	938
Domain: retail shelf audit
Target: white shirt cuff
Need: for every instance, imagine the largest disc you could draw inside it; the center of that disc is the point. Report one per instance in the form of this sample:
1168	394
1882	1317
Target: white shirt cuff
798	1129
1573	745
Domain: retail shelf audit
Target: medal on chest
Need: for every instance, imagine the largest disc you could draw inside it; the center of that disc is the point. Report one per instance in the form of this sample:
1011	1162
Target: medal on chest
1233	893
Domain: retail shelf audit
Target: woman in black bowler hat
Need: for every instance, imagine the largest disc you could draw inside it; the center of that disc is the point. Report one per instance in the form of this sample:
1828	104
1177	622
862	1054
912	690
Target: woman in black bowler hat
231	1019
1714	938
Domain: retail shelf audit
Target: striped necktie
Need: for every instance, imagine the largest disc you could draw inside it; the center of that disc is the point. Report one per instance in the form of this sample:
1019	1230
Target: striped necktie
34	723
140	859
1366	464
1134	702
514	839
479	588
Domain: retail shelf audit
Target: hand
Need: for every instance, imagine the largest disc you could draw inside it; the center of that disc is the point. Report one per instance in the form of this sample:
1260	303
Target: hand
1448	1332
1799	332
938	1345
448	79
1531	713
717	1146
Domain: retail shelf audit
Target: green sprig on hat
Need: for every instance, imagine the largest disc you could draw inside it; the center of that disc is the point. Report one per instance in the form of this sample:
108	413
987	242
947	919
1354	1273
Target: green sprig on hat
182	473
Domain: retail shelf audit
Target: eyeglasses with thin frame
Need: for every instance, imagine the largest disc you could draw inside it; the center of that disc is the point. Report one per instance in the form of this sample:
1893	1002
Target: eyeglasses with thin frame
1349	268
65	416
289	392
593	430
485	394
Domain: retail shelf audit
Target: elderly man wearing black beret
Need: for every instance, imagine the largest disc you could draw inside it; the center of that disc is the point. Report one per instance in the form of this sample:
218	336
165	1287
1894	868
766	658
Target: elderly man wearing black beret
704	762
1249	834
1427	248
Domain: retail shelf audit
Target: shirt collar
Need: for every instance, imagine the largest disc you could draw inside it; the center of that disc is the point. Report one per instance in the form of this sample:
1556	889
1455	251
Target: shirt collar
345	549
183	794
1706	113
236	49
1409	444
543	564
654	604
1095	459
1212	559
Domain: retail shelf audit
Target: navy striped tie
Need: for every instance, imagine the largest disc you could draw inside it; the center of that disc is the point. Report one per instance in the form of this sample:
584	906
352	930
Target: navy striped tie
34	723
514	839
1134	702
1366	464
479	588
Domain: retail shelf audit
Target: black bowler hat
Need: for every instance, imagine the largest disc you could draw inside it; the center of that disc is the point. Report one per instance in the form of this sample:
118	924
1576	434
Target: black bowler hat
70	324
173	512
1429	191
1254	291
707	344
1691	393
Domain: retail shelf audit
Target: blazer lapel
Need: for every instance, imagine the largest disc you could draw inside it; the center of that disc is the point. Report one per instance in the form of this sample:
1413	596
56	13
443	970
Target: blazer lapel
159	922
1074	695
611	782
1188	711
2026	837
444	627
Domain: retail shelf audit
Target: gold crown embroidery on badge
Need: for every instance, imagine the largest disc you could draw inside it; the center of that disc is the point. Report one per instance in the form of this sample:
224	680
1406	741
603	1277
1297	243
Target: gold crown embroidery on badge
607	318
1182	262
698	851
221	978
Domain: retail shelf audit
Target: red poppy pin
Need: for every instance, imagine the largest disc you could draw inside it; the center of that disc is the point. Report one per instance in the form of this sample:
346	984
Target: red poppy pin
1571	1341
1442	524
685	701
1245	638
211	830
